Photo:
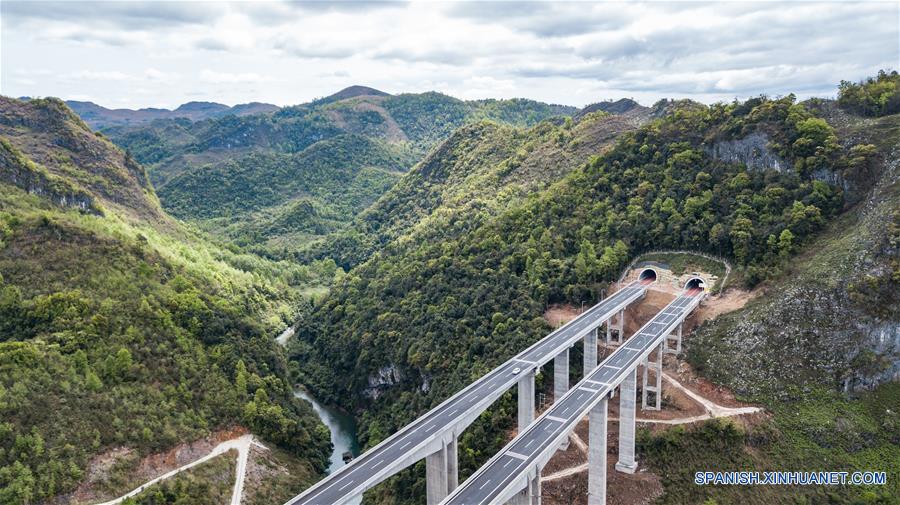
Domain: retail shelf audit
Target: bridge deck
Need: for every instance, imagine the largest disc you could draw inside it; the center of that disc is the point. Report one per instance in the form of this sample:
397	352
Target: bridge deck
506	473
416	440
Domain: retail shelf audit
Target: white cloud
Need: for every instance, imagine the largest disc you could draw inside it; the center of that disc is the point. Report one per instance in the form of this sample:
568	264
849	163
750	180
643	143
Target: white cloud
213	77
564	52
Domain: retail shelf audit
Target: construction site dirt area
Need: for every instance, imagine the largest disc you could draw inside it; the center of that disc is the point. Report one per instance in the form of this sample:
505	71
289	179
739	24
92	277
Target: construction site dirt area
686	399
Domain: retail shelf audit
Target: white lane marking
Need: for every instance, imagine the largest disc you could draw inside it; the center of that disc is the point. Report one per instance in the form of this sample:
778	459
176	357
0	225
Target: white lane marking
345	486
529	443
506	464
485	484
377	463
589	389
407	443
516	455
557	419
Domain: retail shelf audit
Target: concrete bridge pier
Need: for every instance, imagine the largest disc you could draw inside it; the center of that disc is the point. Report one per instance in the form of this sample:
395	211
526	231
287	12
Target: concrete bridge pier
531	495
656	366
676	339
619	327
534	489
561	383
526	398
441	472
627	400
597	453
590	351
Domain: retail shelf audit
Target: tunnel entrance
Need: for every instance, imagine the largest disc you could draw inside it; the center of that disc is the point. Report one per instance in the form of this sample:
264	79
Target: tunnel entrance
647	276
695	283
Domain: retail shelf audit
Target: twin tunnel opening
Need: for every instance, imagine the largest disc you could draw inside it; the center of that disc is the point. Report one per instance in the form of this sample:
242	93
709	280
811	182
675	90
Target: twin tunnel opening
649	275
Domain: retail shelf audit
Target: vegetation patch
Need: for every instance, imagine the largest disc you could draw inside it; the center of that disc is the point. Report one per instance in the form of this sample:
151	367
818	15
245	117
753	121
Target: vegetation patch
210	483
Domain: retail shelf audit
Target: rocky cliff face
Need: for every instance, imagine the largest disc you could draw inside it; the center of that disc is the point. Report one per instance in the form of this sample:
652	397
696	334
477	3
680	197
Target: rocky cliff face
832	319
51	152
386	377
20	172
752	150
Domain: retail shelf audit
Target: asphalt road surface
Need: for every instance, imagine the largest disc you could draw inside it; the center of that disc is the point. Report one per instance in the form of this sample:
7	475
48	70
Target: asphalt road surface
492	480
392	455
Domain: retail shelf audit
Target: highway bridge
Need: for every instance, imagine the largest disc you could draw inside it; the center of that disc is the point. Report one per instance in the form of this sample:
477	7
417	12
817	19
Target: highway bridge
513	475
433	436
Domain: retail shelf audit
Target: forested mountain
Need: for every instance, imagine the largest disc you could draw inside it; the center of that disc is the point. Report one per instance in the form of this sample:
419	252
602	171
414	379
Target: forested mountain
458	223
119	327
480	169
99	117
301	172
456	263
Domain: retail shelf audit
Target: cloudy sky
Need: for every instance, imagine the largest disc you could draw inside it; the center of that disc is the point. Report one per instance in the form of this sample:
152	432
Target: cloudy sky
164	53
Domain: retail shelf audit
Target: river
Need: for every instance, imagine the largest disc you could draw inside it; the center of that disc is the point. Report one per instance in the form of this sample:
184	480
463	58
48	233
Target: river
341	425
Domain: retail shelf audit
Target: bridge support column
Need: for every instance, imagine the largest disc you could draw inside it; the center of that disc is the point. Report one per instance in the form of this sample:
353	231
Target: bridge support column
627	400
526	399
676	338
619	326
597	454
534	489
436	476
441	472
646	388
590	351
452	466
561	383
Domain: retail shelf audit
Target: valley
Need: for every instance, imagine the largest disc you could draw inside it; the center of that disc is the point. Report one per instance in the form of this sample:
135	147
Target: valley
412	243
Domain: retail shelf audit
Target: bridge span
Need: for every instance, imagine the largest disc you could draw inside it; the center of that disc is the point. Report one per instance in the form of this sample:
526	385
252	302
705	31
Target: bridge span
513	475
433	436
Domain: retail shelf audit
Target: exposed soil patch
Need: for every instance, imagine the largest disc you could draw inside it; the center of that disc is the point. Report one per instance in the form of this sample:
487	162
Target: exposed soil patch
639	488
716	305
689	379
573	456
559	314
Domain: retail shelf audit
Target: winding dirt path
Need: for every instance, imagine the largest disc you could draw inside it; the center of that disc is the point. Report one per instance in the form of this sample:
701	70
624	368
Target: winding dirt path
241	444
713	410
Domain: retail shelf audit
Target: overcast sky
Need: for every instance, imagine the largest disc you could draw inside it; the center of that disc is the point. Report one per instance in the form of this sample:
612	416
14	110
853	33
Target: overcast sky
162	53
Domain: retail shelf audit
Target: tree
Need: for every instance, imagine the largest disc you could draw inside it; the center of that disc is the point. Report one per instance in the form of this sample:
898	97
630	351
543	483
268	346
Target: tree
240	378
586	262
785	243
741	236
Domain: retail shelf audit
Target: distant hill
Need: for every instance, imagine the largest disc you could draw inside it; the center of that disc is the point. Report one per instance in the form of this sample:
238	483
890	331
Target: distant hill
350	92
620	106
315	165
99	117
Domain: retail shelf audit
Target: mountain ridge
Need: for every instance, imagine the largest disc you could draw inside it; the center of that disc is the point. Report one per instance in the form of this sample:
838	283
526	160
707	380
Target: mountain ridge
100	117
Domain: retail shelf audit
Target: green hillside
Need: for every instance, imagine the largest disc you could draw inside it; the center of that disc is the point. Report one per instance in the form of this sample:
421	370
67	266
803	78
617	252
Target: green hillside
120	327
443	300
479	170
338	154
